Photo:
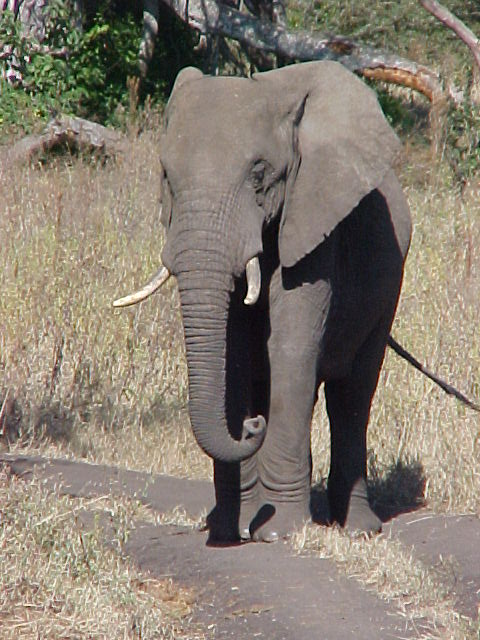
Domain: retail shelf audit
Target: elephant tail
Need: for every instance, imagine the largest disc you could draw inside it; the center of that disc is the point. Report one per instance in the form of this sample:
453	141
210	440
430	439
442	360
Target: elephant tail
448	388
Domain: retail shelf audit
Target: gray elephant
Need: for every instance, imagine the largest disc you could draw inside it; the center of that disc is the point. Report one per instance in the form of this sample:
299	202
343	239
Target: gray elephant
287	232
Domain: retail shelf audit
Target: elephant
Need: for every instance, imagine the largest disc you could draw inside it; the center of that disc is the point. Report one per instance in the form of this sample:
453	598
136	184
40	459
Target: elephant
287	231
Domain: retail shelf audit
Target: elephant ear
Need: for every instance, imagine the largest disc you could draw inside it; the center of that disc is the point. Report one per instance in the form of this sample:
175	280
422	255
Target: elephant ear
185	75
344	147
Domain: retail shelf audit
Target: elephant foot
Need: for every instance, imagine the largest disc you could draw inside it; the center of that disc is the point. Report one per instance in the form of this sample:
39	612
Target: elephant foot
358	517
361	519
277	521
227	524
222	525
248	510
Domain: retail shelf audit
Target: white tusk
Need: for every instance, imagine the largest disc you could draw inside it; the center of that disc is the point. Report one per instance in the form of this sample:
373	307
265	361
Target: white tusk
254	281
152	285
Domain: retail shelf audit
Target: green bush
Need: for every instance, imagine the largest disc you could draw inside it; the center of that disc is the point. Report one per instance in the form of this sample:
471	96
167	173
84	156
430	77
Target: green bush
91	80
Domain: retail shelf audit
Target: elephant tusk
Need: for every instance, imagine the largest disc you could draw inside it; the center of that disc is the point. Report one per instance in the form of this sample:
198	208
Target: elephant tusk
152	285
254	281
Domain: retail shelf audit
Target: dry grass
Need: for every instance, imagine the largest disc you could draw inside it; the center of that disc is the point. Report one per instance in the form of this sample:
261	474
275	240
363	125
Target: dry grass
80	379
77	373
391	571
57	579
438	319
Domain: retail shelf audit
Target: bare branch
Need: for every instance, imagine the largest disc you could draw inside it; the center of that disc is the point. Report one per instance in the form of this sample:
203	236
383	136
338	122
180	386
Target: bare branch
465	34
451	21
42	49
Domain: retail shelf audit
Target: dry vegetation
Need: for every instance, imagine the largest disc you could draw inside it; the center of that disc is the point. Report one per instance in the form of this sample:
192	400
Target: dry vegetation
80	379
58	580
386	567
97	383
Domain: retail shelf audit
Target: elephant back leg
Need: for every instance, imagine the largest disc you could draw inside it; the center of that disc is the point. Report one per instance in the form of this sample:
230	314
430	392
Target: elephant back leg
348	403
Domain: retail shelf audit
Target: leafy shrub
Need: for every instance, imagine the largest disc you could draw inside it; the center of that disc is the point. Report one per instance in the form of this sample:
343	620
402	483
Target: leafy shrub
90	80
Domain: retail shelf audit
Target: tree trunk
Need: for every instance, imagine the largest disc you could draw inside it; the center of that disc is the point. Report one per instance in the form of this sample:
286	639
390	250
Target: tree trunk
150	31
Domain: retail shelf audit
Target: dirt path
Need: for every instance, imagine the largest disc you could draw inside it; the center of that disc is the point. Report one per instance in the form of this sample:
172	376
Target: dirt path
266	591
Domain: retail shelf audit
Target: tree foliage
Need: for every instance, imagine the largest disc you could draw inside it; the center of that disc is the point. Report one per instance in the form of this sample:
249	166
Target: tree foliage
82	69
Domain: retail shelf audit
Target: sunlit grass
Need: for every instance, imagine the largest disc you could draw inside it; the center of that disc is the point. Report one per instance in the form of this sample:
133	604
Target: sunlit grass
74	370
389	569
59	580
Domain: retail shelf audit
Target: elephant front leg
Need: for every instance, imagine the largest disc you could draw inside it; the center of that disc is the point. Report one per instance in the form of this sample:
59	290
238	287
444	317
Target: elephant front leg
284	461
236	494
249	495
237	497
236	489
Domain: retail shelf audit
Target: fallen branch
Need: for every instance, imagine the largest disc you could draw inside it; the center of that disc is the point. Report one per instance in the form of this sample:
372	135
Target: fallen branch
66	130
212	17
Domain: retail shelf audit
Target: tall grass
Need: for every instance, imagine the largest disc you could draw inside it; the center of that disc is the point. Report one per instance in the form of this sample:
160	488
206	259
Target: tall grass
58	580
97	382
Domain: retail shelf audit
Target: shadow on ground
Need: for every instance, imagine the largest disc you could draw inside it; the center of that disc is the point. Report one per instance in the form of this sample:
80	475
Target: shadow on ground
399	490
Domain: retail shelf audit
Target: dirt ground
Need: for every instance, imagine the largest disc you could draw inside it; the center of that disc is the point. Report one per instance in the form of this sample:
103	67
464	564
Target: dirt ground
266	591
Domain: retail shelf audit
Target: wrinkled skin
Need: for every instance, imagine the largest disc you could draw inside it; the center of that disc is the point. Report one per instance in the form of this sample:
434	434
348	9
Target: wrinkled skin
292	166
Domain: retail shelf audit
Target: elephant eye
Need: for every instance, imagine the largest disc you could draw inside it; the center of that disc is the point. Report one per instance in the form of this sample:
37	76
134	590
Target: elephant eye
166	199
258	174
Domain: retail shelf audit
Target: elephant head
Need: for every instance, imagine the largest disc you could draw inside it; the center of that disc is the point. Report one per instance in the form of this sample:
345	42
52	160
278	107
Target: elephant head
297	147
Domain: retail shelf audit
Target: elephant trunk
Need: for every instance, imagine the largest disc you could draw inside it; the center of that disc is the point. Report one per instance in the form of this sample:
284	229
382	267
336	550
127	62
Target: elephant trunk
205	299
